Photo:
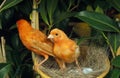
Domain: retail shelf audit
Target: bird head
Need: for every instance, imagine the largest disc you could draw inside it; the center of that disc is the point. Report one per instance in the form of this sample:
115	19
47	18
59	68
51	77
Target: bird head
23	24
57	35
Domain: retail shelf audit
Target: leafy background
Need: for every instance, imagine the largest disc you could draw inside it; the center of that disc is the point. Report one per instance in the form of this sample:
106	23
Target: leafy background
103	17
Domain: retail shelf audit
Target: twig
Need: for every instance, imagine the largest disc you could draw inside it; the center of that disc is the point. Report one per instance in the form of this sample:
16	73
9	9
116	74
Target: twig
75	6
3	49
2	4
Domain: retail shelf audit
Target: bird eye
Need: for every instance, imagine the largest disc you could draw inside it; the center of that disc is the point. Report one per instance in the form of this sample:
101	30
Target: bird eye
56	34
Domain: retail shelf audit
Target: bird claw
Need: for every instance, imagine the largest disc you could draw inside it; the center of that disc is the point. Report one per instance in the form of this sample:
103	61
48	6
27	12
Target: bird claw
36	67
36	63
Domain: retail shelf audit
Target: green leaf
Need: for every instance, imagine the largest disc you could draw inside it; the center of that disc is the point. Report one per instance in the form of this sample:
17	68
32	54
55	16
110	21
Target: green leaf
116	61
6	17
4	69
8	48
115	73
23	55
98	21
114	40
51	6
15	41
9	3
62	16
13	27
25	7
115	4
43	12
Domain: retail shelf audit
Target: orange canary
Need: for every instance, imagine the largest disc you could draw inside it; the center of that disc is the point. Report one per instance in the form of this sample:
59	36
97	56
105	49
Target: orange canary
65	49
34	40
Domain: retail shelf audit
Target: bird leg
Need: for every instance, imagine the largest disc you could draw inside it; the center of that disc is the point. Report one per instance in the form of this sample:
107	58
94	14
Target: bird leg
77	63
45	59
61	64
37	64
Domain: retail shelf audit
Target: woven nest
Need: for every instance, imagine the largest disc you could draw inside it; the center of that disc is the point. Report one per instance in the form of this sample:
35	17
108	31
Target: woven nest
91	57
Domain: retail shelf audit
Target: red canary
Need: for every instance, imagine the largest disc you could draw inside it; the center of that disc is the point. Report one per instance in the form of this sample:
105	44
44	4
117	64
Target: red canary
34	40
65	49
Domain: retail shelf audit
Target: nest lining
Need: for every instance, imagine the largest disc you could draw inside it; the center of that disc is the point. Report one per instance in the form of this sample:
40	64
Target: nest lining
95	59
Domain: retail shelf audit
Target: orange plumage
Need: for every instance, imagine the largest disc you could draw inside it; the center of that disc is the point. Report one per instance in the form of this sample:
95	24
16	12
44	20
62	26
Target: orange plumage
34	40
65	49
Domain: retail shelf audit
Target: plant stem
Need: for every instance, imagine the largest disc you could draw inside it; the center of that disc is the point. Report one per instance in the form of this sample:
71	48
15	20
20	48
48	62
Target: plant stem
3	49
35	24
107	40
35	16
3	53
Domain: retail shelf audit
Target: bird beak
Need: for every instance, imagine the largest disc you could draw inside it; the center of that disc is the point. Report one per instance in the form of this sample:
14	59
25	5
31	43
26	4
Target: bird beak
50	37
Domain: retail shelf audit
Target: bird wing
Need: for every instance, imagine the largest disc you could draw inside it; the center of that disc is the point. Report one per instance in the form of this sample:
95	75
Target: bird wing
39	41
75	48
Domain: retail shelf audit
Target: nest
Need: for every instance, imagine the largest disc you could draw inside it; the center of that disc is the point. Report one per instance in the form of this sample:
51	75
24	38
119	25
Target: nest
91	57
